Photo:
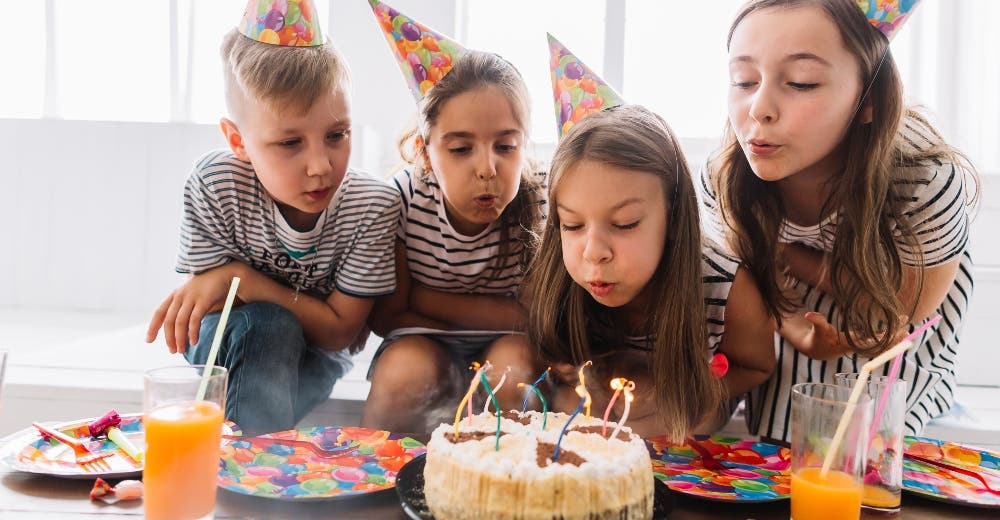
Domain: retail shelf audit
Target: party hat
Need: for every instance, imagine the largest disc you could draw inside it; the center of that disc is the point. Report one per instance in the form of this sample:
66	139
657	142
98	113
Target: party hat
424	55
887	15
292	23
577	90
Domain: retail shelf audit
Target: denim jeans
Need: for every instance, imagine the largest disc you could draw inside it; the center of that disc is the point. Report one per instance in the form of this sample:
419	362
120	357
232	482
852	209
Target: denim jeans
275	378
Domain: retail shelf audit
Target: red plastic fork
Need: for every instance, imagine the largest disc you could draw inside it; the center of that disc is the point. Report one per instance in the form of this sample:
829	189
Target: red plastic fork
319	451
86	459
707	459
955	469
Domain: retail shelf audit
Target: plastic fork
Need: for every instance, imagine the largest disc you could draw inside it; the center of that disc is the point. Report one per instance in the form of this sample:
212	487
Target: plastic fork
955	469
86	459
319	451
707	460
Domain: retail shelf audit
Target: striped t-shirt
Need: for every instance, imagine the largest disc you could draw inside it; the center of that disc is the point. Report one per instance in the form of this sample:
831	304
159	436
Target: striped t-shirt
441	258
935	196
229	216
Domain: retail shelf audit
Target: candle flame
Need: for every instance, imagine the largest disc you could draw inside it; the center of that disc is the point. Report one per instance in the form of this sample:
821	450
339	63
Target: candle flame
581	389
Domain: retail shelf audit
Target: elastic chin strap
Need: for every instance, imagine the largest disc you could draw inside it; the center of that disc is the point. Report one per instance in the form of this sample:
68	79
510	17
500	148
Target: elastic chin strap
871	83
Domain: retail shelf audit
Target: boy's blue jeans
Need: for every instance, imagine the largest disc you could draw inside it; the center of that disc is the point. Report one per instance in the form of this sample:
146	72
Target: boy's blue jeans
275	378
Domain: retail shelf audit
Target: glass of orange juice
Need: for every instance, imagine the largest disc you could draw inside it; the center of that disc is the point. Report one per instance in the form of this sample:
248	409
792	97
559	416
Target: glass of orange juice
816	412
883	474
182	441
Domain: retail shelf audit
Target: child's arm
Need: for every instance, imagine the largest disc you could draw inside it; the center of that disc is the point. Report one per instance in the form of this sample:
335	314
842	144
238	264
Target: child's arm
468	311
748	341
181	312
332	324
393	311
806	264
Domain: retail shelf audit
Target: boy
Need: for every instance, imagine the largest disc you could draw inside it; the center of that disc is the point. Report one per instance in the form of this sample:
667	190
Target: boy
311	240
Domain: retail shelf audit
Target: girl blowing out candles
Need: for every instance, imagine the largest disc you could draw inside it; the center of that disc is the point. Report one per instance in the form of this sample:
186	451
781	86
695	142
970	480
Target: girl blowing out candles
623	278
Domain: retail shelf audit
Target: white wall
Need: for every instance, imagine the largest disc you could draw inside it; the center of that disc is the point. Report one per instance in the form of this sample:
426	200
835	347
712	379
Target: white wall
90	214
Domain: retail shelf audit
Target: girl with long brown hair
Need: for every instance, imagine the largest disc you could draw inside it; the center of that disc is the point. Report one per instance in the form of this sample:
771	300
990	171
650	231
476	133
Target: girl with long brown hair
622	278
471	200
848	208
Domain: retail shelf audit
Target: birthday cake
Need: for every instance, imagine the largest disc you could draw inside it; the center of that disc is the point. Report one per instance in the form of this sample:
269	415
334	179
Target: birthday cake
591	476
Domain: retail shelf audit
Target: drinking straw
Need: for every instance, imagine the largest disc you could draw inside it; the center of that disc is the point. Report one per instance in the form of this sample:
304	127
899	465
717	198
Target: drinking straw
897	363
859	386
217	340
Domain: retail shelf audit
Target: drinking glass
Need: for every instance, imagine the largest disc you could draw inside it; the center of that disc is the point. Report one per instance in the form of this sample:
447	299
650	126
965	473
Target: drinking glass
883	474
816	412
182	441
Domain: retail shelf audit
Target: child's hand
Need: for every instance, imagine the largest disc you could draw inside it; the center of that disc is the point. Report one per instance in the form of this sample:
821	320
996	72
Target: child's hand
813	336
180	313
359	342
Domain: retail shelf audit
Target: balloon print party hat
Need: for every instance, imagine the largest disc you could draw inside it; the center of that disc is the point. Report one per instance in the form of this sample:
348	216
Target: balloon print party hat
577	90
888	15
424	55
293	23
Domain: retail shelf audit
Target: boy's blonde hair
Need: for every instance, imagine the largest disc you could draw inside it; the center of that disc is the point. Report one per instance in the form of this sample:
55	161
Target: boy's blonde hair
279	77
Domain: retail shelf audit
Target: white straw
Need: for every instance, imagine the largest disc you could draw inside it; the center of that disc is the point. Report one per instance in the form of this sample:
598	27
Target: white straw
217	340
859	386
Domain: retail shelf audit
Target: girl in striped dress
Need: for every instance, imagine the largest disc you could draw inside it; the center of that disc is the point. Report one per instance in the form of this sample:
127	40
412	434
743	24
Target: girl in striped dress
471	200
623	279
849	208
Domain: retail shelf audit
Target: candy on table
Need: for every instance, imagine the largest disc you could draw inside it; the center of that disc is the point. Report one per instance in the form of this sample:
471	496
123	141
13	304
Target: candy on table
100	425
124	490
116	436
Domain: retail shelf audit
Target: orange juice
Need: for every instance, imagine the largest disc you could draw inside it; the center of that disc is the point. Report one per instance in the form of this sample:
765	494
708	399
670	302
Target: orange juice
880	497
182	460
836	497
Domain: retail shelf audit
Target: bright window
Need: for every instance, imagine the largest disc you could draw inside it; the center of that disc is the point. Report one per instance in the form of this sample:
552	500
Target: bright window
508	29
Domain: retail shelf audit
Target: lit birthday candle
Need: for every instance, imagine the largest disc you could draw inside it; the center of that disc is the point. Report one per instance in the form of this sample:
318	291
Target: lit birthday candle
493	396
629	386
503	378
581	389
617	384
468	395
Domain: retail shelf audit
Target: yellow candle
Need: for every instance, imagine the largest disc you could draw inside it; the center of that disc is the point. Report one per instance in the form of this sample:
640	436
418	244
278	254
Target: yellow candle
468	395
581	389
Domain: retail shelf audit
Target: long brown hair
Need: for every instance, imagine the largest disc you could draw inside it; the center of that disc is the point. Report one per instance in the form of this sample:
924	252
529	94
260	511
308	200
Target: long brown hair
864	266
472	71
562	314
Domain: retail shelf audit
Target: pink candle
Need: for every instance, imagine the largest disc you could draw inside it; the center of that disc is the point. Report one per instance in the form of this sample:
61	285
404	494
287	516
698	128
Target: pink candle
628	401
617	384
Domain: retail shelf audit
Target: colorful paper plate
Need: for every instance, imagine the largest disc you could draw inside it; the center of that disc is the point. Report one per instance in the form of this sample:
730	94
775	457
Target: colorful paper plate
284	472
941	484
754	471
28	452
410	488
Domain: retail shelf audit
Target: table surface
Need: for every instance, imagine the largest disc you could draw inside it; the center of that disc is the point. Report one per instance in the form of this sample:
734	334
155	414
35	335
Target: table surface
26	495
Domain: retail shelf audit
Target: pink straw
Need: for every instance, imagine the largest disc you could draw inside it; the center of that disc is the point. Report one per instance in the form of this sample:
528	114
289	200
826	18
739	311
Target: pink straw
897	363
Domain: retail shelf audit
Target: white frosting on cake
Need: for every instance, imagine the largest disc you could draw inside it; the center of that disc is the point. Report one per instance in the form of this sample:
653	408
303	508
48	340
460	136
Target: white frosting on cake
473	479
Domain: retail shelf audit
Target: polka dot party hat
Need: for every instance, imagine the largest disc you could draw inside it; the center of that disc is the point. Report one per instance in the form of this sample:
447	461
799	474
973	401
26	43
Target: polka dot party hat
888	15
292	23
424	55
577	90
